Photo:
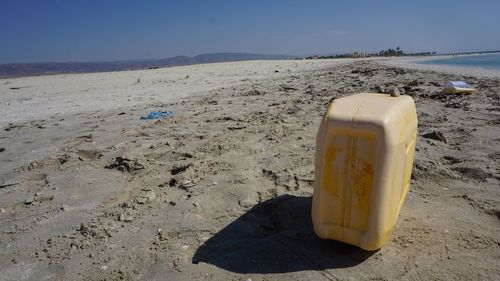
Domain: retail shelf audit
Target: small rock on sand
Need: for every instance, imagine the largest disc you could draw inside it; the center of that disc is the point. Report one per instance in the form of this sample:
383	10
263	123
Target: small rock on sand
29	200
394	92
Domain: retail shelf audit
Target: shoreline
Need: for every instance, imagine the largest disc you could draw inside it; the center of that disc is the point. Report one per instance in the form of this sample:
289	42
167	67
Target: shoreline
415	63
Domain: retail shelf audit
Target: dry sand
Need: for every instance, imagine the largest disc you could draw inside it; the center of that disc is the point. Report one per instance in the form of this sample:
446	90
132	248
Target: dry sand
222	191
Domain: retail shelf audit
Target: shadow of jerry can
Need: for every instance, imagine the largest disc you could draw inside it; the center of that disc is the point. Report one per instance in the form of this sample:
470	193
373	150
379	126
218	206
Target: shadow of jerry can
364	157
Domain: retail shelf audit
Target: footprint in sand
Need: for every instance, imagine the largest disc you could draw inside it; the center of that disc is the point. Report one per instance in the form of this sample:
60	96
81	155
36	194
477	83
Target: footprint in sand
37	177
88	154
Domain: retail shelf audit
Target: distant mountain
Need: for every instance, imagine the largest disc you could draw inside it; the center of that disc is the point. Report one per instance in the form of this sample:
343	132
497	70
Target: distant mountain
47	68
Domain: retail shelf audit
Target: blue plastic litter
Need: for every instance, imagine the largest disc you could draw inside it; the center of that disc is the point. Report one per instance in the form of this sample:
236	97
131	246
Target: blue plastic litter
157	115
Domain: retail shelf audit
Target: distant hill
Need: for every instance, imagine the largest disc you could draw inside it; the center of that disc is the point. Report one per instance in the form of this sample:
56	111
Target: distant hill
47	68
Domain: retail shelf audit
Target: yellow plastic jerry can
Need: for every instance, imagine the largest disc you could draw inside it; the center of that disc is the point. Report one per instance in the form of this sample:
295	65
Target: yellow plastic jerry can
364	156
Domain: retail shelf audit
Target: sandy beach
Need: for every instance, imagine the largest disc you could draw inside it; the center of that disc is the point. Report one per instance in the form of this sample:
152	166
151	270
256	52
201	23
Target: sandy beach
222	190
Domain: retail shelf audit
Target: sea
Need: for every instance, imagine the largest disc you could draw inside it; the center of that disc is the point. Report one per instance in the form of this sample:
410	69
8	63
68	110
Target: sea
489	61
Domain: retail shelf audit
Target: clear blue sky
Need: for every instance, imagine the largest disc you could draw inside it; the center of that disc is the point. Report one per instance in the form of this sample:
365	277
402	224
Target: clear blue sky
92	30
